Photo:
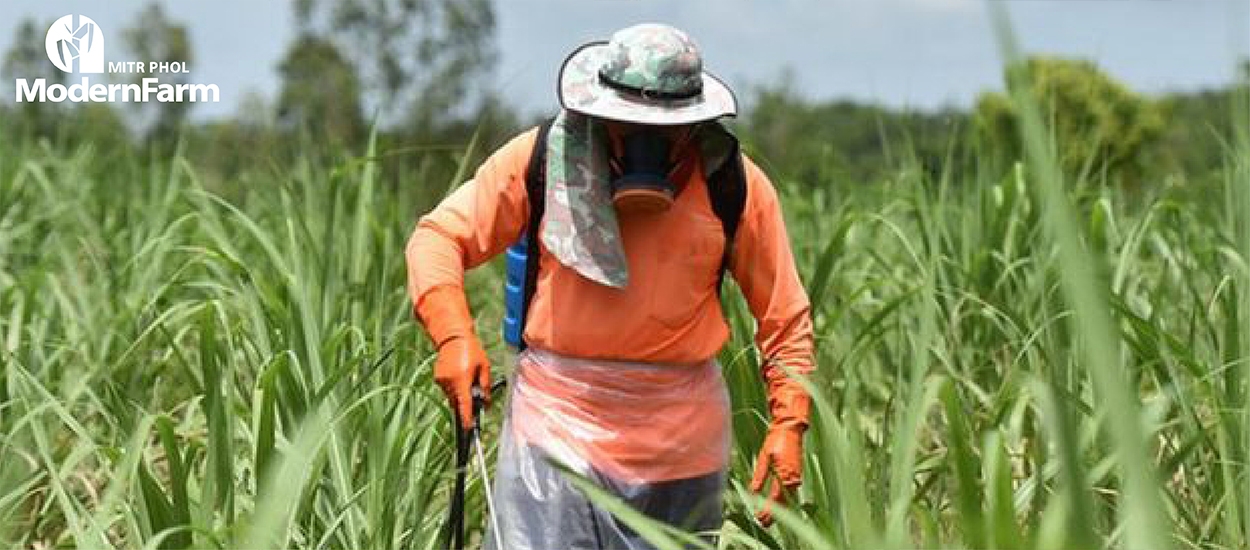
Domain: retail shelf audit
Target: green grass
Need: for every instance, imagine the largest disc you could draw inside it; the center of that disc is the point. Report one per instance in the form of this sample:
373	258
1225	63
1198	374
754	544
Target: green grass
179	369
1002	364
1014	361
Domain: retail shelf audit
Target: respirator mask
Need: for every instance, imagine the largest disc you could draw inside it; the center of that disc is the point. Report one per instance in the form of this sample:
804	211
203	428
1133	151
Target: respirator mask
640	172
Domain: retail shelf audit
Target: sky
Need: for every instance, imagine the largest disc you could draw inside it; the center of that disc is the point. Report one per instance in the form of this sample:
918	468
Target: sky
919	54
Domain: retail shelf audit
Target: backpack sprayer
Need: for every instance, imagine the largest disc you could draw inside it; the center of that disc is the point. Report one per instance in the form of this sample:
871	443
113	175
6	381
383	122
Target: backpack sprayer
514	293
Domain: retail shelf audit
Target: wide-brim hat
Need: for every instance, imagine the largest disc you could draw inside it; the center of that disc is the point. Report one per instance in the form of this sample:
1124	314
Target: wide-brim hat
646	74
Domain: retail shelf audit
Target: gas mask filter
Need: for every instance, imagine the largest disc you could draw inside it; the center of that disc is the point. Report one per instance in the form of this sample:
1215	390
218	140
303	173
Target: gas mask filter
640	175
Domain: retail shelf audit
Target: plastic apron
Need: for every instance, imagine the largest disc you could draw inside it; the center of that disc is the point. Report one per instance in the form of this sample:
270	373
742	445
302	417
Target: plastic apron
655	436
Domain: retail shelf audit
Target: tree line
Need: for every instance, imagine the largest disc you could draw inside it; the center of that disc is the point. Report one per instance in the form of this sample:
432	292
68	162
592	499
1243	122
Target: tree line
417	72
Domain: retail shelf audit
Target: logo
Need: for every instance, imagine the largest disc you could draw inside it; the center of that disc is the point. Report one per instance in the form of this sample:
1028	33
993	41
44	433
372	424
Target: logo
75	45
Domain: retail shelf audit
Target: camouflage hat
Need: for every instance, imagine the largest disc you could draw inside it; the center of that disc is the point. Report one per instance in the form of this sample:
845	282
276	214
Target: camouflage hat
648	74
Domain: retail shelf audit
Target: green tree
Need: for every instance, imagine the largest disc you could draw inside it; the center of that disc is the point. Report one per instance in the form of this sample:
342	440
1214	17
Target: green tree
422	59
320	91
1200	129
156	38
845	141
1098	125
234	149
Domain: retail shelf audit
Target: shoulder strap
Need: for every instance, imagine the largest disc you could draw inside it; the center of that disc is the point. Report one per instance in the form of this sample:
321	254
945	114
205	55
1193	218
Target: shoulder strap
727	191
536	196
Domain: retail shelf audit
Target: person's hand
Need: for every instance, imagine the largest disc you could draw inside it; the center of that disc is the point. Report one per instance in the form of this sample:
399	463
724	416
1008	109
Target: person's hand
781	460
461	364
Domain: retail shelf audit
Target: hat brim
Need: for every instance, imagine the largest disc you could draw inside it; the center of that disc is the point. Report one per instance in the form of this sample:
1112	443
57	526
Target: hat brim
580	91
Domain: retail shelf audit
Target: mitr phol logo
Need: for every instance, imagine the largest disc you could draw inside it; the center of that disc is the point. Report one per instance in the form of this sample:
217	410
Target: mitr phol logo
75	44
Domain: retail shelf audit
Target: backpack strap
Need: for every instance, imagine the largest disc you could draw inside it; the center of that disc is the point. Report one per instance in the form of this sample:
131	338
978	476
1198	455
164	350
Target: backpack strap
727	190
536	196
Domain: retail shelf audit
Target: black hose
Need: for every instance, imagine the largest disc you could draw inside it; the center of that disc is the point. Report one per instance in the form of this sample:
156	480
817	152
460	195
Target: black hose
455	512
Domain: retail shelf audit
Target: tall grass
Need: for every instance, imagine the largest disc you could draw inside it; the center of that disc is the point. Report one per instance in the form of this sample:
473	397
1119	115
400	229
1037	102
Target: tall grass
1013	361
179	370
1025	362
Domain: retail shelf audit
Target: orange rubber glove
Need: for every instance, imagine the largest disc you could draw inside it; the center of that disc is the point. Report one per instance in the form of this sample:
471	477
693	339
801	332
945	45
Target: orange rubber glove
782	452
461	361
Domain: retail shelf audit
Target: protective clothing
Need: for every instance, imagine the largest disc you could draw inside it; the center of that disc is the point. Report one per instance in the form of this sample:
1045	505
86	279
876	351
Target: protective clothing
781	455
461	362
580	221
620	424
640	182
781	459
580	226
607	345
649	74
670	313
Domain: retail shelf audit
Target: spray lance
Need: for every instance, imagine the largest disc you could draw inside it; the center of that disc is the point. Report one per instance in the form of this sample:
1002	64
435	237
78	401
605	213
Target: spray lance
469	442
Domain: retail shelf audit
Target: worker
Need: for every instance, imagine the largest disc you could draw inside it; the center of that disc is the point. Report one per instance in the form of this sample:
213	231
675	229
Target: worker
618	382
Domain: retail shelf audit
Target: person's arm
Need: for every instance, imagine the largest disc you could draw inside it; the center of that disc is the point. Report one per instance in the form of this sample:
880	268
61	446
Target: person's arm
763	266
472	225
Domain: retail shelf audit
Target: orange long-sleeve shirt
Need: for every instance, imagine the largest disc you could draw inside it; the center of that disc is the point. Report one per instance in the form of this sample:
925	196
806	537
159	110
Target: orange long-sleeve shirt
669	312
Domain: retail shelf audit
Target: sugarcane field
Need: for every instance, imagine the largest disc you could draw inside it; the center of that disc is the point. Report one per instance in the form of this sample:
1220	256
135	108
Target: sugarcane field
540	274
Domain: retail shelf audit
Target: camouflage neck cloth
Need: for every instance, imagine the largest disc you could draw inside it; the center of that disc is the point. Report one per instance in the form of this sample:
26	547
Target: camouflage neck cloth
579	225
